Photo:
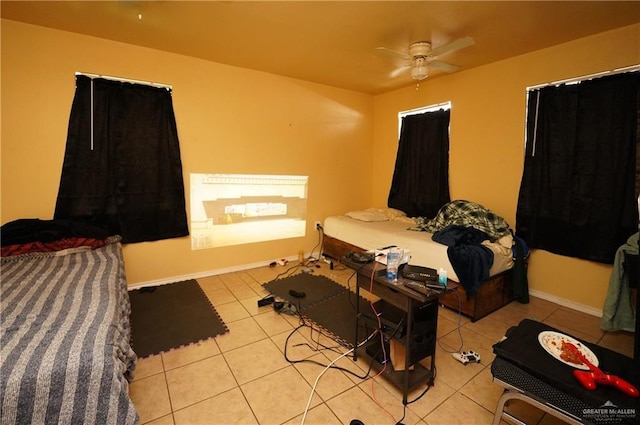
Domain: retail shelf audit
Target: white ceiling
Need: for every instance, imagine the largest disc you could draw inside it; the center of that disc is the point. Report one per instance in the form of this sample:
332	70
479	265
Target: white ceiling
332	43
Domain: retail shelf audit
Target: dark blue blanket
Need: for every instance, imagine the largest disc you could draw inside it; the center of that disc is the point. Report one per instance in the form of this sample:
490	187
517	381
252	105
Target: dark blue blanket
470	260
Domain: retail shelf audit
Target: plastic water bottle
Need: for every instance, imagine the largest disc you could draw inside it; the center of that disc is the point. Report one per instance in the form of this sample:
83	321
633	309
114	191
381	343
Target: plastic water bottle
442	277
394	257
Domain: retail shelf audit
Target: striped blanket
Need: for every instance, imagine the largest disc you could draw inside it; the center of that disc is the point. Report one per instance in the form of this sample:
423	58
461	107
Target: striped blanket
64	338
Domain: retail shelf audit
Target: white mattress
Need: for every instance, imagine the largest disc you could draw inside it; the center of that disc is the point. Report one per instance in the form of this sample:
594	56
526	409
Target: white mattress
371	235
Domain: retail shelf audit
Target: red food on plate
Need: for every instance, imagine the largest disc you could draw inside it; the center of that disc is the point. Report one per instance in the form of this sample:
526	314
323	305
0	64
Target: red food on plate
570	354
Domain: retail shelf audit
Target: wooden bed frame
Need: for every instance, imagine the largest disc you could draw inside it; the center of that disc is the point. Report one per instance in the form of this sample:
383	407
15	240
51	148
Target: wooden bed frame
493	294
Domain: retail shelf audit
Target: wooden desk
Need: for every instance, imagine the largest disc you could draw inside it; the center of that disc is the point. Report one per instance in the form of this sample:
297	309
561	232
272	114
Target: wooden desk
399	304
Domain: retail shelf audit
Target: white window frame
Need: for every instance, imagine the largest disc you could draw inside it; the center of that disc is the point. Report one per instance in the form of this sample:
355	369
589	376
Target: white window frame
421	110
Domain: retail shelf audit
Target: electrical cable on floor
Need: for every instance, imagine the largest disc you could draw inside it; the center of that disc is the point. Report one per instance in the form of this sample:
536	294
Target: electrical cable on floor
320	364
315	384
307	261
349	288
334	266
320	333
458	329
391	336
404	413
287	272
316	349
320	243
435	372
382	339
384	353
303	323
329	366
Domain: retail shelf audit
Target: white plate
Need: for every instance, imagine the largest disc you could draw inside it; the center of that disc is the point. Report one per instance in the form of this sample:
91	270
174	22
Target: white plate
552	343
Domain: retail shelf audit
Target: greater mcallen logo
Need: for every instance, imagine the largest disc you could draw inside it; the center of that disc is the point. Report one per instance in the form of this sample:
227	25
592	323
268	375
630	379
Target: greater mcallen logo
609	413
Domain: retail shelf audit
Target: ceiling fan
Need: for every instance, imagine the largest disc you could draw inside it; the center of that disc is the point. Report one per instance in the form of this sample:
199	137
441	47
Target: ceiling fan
421	56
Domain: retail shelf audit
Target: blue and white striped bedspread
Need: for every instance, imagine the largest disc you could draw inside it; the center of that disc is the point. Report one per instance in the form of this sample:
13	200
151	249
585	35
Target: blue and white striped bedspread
64	339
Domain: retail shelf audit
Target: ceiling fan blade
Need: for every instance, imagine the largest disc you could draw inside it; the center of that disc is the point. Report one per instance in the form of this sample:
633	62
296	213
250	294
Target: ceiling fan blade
398	71
394	53
458	44
443	66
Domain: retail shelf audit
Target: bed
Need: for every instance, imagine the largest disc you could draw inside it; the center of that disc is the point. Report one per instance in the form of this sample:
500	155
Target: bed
479	293
64	325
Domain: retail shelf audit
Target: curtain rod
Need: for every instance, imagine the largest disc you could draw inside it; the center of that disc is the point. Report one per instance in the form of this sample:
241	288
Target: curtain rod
127	80
632	68
421	108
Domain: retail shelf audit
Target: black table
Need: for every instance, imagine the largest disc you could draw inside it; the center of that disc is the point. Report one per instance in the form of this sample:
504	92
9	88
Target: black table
408	317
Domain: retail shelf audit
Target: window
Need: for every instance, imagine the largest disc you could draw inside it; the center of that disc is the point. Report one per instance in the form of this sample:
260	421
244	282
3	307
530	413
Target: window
445	106
122	166
577	195
420	184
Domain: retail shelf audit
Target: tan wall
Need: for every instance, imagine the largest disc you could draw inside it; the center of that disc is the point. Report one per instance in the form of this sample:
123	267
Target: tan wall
487	140
233	120
230	120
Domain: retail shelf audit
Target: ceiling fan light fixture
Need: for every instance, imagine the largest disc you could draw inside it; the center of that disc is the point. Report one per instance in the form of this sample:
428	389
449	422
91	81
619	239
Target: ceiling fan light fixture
419	70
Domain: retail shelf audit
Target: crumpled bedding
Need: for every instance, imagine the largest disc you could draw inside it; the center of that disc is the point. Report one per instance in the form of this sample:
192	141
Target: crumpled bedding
28	230
476	237
466	214
29	235
469	257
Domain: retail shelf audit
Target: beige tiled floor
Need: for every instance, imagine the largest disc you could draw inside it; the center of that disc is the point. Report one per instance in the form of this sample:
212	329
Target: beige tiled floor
243	377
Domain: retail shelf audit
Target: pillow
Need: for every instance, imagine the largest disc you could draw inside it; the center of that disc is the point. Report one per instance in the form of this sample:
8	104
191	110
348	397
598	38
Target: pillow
376	214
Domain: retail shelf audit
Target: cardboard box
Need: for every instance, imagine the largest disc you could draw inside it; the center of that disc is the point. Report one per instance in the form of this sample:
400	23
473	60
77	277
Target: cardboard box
398	353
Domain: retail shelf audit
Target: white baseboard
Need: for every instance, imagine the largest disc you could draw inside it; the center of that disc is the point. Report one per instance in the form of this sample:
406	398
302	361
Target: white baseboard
200	275
560	301
566	303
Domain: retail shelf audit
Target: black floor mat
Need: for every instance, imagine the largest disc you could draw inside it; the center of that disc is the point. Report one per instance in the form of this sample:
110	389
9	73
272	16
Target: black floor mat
316	288
338	316
326	303
170	316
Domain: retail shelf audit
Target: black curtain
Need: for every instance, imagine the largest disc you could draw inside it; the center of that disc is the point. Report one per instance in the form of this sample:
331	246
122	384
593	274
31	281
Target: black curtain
420	184
577	195
128	176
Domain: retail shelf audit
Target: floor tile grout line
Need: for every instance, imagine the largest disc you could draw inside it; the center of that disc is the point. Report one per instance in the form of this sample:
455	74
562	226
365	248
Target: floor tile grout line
546	317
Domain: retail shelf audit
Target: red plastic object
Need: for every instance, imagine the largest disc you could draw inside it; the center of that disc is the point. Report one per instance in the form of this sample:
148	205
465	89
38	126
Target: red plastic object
590	379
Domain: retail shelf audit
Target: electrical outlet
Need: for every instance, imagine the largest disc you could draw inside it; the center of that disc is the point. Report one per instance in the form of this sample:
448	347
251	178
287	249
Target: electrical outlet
318	225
